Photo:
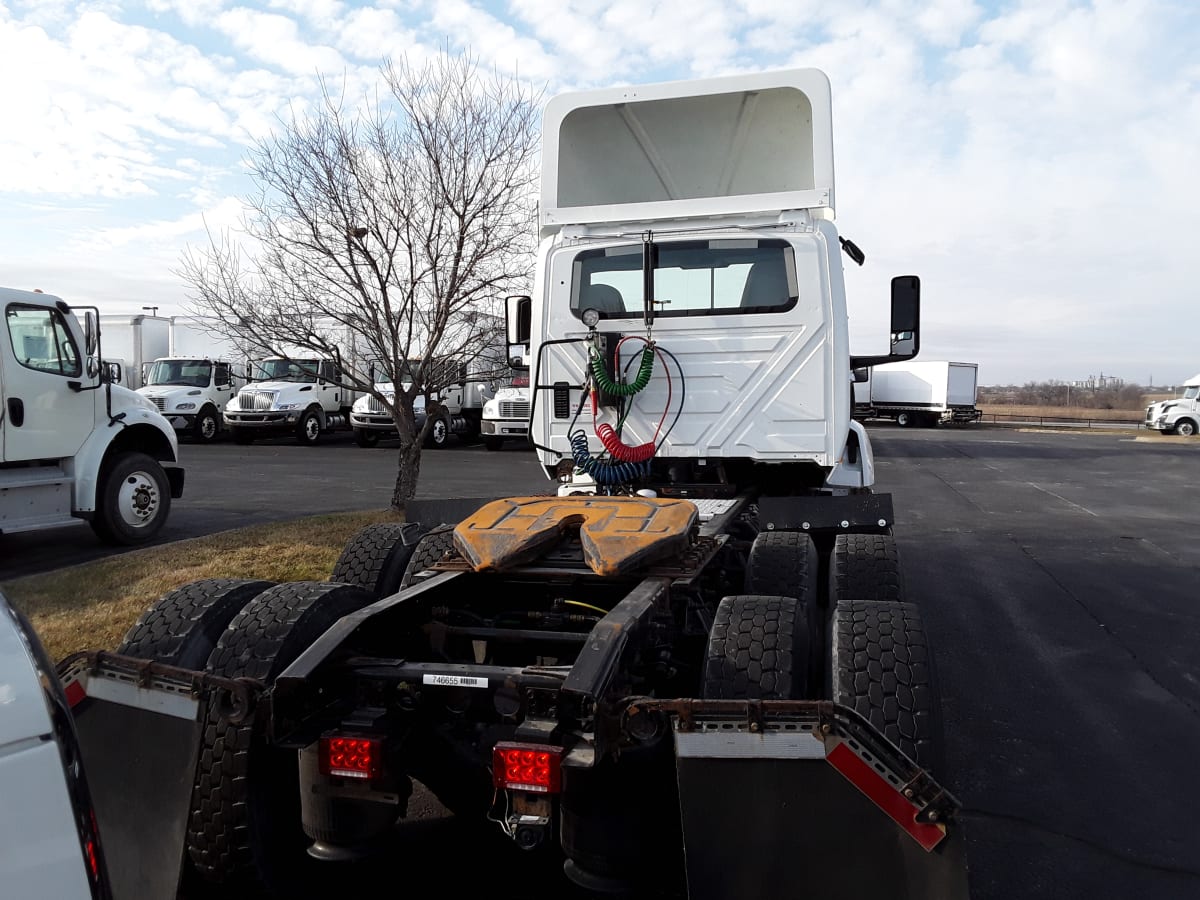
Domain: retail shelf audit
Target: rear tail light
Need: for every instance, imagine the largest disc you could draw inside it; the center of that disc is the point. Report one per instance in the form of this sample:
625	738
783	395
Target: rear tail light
527	767
351	757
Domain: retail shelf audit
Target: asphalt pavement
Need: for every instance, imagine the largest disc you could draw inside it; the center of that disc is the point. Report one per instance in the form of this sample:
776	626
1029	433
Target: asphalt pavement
1059	578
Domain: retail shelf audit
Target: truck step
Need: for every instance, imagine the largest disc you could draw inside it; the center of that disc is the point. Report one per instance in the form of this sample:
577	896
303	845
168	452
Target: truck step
35	498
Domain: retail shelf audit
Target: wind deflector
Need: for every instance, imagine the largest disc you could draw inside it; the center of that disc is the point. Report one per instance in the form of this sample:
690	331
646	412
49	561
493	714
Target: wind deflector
740	144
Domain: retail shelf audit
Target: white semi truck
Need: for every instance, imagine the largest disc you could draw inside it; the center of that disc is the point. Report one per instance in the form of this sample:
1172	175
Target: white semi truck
923	393
693	672
1178	416
193	383
73	445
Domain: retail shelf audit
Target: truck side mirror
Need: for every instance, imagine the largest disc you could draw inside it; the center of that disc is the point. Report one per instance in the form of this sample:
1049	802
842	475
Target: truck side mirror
91	333
906	317
518	313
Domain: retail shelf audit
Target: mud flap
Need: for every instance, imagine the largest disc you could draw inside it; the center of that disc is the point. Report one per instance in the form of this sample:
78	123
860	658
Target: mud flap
139	736
787	812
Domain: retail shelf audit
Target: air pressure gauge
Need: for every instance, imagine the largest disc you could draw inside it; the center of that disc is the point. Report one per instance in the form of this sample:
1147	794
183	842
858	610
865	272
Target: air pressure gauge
591	317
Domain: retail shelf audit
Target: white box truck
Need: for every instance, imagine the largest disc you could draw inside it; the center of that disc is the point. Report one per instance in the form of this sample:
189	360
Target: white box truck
73	445
1178	416
926	393
193	383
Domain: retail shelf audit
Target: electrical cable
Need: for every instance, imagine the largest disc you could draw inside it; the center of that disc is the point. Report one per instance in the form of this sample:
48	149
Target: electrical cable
599	609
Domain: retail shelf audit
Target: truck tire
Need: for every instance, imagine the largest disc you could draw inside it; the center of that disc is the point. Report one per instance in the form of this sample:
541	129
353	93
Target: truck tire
365	437
182	627
439	433
434	544
375	559
245	828
308	429
1185	427
865	567
493	443
786	564
241	436
879	663
133	500
757	650
904	419
207	426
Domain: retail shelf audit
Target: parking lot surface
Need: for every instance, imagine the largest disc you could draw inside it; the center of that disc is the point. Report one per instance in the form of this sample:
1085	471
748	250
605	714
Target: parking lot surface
1059	578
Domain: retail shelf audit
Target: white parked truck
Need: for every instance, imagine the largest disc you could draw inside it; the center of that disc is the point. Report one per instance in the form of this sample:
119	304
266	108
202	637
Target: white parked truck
192	385
689	670
1178	416
73	445
300	394
134	342
460	409
506	415
924	393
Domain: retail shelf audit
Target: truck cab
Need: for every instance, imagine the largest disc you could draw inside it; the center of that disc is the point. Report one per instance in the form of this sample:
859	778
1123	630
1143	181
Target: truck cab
74	446
301	395
1179	416
506	415
191	392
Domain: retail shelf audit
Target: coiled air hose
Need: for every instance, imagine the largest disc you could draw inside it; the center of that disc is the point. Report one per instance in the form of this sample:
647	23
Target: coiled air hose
608	386
605	472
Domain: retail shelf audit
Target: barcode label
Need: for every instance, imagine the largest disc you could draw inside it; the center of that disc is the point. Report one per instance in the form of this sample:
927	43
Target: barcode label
455	681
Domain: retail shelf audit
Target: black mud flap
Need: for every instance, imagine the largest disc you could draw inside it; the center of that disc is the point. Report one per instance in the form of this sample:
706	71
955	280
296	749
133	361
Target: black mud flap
139	727
811	805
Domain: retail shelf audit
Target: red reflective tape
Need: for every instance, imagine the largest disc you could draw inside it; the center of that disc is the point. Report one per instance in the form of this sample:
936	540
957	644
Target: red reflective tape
885	796
75	693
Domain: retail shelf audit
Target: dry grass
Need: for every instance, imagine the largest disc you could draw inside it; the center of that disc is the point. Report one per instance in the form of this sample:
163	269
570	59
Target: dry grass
1063	412
91	606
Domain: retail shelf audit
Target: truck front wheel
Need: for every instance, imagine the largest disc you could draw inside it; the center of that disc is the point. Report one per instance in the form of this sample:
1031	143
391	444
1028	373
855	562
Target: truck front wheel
903	419
207	426
1185	427
132	501
365	437
308	429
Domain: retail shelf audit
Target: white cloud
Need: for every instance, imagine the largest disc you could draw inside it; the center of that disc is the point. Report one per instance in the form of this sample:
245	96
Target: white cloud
276	40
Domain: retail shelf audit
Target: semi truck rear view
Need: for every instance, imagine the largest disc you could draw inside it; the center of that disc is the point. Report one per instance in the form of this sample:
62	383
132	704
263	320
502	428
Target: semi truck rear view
690	668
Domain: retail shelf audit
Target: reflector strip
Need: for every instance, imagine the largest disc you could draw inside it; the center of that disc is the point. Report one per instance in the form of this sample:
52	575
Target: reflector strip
884	795
75	693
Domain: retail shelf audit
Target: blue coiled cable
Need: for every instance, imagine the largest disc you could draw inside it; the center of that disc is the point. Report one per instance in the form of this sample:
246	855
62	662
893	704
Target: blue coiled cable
604	471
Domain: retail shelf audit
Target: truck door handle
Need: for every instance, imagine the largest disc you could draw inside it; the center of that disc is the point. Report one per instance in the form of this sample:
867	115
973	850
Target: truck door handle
16	412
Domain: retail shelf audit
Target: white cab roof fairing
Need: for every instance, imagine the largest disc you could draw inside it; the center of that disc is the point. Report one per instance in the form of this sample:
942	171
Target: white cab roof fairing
739	144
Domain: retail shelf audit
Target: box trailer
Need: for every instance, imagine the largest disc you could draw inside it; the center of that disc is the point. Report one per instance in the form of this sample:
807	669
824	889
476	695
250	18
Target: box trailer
925	393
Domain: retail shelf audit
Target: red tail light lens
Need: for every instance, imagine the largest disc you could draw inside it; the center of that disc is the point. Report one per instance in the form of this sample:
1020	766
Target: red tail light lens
351	757
527	767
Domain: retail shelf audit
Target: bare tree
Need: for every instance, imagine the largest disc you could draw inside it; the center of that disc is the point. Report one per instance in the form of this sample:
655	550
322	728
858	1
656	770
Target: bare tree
401	221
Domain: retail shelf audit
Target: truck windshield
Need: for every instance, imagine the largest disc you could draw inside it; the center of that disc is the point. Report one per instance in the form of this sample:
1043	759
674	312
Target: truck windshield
187	372
693	278
303	371
1191	393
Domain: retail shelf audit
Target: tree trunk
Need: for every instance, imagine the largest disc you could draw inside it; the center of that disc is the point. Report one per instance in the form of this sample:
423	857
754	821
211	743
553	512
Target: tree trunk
407	473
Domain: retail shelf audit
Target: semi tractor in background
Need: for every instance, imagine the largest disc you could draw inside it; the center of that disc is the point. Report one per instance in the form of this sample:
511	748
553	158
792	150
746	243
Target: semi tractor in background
689	668
924	393
194	381
74	446
1180	415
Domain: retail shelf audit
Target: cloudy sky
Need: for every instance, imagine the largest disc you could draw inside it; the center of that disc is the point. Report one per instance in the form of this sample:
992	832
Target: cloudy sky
1036	162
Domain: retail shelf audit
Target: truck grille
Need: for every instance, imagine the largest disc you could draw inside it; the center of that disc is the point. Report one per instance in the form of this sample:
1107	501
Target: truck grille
256	400
375	407
514	409
159	402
